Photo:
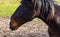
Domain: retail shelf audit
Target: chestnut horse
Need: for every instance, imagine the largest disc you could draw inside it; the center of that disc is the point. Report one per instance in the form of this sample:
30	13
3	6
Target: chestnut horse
46	10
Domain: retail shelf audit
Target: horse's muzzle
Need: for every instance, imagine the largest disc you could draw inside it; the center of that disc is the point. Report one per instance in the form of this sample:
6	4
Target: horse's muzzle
11	27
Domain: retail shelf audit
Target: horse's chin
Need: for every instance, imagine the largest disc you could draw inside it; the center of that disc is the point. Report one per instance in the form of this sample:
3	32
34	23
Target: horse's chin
13	28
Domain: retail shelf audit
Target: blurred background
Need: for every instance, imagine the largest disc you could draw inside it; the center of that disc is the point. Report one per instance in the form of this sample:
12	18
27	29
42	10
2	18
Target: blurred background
7	7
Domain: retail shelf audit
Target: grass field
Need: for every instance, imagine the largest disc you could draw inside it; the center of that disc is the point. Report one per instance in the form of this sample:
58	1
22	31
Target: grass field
7	9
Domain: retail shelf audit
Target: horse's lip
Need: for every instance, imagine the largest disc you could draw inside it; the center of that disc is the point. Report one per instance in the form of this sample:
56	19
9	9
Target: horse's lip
12	28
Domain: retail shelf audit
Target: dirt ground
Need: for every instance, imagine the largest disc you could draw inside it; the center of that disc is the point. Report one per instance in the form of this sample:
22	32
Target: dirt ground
29	29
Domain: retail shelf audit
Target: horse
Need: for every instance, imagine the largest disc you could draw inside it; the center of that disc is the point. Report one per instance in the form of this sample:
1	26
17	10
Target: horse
46	10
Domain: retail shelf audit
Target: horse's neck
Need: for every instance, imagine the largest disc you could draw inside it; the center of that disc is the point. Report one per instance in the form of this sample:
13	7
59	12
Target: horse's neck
56	18
52	24
57	8
57	12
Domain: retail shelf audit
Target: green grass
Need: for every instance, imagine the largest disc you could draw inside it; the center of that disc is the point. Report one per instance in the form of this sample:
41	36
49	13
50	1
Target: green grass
7	9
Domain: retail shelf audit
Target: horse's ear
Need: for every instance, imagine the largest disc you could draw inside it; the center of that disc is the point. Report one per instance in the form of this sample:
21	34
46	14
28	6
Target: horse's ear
52	13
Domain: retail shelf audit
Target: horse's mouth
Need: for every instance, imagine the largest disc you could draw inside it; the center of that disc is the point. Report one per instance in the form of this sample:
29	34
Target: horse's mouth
13	28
